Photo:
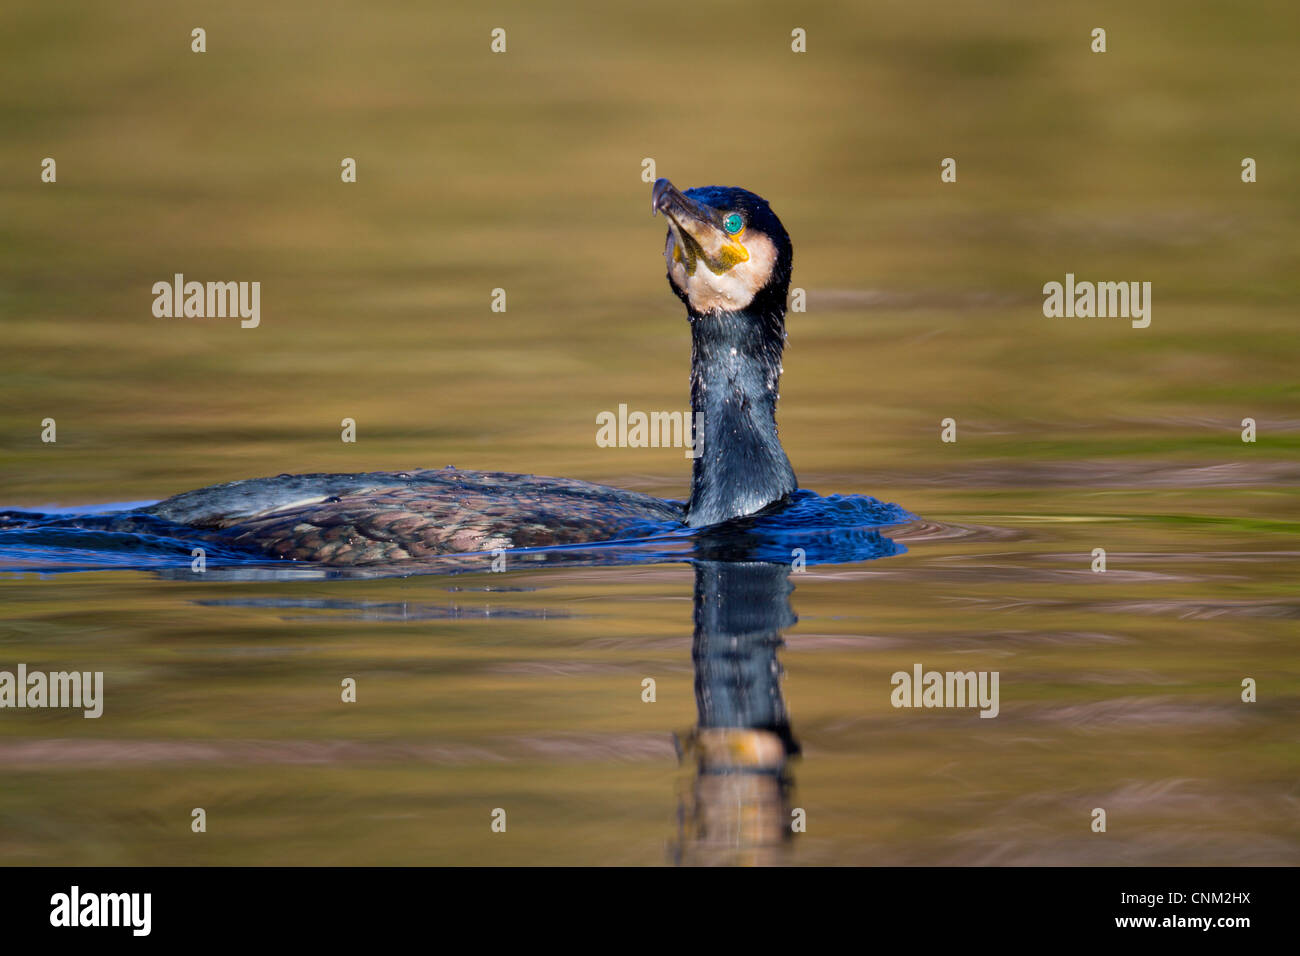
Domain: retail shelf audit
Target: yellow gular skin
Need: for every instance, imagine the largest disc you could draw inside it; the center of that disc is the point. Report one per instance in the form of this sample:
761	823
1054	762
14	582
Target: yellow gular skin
735	270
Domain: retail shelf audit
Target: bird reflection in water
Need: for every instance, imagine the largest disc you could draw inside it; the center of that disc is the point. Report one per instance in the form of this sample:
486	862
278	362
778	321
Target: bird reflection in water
742	743
737	807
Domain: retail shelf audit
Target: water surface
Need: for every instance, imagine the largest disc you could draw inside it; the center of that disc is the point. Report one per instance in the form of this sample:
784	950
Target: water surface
523	689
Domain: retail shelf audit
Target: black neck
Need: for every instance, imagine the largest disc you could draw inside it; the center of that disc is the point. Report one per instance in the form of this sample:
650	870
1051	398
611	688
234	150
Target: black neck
735	376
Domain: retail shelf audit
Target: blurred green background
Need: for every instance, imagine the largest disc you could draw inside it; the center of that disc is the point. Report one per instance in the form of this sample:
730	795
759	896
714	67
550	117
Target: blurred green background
522	171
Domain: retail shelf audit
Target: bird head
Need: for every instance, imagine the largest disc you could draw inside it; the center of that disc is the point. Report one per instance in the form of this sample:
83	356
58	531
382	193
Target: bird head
726	250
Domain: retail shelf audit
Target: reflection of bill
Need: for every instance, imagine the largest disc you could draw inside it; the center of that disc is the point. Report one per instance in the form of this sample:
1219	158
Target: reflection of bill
738	808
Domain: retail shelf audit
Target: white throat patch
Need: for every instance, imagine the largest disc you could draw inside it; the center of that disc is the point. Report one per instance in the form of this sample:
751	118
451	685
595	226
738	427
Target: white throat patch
707	291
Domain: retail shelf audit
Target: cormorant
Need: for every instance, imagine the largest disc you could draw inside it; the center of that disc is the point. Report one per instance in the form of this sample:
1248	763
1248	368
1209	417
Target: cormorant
729	260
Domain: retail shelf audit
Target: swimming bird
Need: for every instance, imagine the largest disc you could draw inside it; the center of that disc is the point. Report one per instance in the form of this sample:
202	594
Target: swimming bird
729	261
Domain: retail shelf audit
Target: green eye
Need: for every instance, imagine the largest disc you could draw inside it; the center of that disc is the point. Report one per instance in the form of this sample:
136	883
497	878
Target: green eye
733	223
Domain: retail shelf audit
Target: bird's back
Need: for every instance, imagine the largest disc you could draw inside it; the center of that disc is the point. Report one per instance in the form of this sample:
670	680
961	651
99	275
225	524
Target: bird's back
387	517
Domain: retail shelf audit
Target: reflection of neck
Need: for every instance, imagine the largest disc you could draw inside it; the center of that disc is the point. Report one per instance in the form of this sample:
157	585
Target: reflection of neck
743	739
735	375
740	610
